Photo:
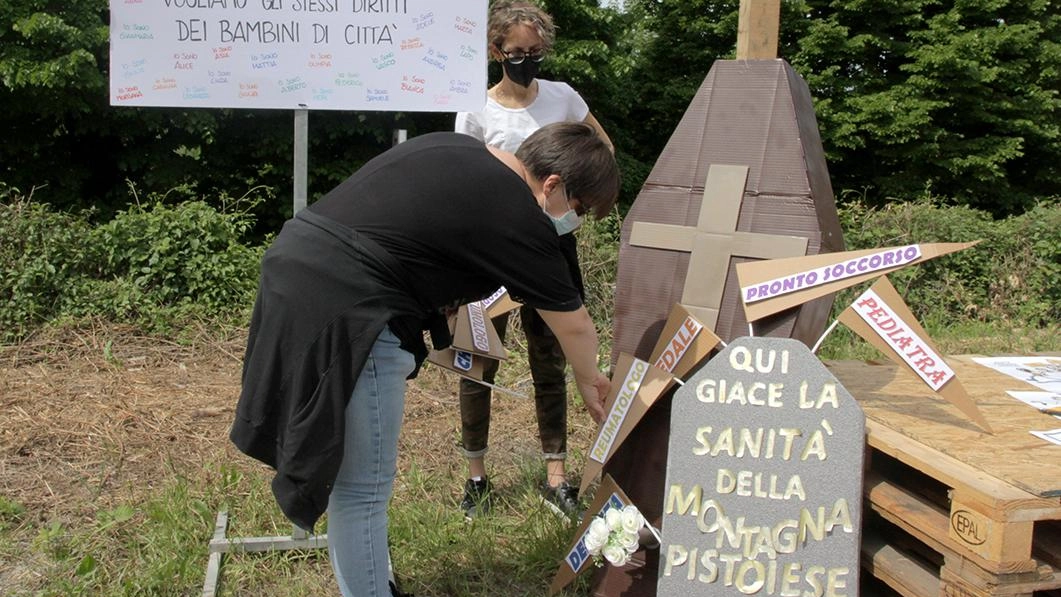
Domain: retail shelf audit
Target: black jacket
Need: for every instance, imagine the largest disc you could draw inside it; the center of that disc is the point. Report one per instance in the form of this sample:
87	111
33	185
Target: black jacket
324	295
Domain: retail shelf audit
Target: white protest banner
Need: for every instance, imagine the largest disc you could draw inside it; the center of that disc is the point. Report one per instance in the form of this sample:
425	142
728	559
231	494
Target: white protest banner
473	332
499	303
616	416
493	298
477	317
383	55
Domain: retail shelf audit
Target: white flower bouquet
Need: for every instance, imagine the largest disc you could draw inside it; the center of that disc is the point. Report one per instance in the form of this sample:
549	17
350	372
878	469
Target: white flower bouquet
613	536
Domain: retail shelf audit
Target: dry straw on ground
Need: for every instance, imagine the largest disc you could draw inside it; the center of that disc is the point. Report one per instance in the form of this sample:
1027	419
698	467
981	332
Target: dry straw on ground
96	417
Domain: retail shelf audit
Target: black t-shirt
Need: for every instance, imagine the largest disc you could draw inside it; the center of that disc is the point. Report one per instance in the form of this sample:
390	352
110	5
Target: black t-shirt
459	220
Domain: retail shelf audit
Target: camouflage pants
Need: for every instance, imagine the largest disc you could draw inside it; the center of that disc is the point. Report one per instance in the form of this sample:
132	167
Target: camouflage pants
547	365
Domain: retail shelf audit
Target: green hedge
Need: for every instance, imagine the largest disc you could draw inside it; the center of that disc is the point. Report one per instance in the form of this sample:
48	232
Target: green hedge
42	253
157	264
150	265
1013	273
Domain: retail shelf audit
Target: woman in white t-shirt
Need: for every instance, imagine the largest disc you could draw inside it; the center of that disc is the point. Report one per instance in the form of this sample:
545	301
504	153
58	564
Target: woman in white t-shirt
519	35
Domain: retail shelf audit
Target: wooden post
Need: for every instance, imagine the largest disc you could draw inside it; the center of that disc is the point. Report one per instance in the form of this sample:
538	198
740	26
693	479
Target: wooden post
757	28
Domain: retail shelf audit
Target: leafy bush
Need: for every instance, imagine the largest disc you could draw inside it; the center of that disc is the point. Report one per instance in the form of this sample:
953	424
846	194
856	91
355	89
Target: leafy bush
1028	278
1012	274
153	266
598	256
41	254
180	254
156	265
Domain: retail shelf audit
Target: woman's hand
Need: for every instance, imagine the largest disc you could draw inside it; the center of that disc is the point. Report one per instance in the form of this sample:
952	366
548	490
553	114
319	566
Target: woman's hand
594	394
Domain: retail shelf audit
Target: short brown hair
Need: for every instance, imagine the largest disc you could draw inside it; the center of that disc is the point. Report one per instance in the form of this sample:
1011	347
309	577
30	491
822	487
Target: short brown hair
575	152
504	14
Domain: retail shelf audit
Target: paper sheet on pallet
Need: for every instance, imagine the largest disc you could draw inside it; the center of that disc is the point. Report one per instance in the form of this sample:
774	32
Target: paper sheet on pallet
882	318
636	386
768	287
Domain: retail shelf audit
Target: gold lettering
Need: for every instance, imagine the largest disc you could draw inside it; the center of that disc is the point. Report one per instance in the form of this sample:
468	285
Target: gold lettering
725	481
730	533
807	522
829	396
836	581
701	437
750	440
705	391
707	563
701	516
785	536
773	396
790	579
790	435
762	543
750	588
840	516
684	503
795	488
676	556
751	394
815	446
803	402
736	394
729	560
817	590
724	443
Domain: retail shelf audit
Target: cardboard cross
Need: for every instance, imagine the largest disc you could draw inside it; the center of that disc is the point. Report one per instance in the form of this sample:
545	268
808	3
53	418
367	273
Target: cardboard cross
714	241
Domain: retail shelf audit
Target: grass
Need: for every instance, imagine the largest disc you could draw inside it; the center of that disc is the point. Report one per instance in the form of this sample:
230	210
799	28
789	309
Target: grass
131	549
953	338
158	546
514	551
149	535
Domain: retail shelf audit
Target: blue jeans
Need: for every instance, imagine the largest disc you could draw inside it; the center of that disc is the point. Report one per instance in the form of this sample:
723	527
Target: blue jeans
357	506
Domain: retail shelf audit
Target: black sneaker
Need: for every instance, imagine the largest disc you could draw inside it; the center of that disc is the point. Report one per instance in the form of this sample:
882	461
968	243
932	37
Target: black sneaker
562	499
395	592
477	500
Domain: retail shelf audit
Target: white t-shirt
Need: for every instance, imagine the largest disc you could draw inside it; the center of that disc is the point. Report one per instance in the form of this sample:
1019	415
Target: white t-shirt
506	128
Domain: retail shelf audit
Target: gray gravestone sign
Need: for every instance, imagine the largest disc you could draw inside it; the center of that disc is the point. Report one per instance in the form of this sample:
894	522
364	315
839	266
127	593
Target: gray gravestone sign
764	478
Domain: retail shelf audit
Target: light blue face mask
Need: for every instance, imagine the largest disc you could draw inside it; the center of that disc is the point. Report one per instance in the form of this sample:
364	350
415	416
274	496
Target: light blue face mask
567	223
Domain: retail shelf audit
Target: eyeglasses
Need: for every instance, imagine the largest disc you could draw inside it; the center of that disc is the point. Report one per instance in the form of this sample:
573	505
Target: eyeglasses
518	56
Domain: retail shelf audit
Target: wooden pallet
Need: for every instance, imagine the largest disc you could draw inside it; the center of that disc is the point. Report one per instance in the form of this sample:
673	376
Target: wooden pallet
952	511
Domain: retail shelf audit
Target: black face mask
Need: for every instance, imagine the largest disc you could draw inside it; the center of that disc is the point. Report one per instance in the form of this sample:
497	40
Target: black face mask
522	74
